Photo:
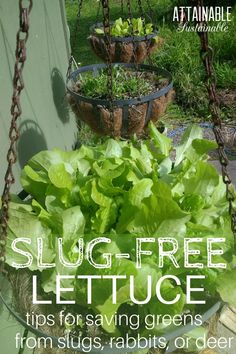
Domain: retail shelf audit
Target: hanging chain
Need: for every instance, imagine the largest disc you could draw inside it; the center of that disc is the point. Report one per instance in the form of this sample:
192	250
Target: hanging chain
207	58
18	86
107	38
74	40
147	42
130	16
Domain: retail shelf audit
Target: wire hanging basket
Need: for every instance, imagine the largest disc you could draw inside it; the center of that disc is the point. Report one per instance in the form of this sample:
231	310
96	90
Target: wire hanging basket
126	49
121	116
126	116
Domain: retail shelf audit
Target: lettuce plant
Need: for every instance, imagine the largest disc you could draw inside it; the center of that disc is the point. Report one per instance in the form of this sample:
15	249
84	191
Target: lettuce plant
124	190
135	26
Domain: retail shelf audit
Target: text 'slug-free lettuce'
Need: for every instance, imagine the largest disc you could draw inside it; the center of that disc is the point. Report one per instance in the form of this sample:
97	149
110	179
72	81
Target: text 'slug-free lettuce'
123	191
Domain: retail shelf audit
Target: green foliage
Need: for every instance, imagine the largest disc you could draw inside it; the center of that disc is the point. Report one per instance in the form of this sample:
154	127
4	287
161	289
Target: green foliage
82	51
226	75
179	55
226	287
224	43
135	26
124	190
126	84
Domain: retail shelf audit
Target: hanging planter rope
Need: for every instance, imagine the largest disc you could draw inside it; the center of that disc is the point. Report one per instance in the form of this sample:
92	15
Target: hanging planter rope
131	116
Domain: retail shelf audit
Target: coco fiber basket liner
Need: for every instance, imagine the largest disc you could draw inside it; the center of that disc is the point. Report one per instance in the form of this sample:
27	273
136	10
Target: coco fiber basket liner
121	117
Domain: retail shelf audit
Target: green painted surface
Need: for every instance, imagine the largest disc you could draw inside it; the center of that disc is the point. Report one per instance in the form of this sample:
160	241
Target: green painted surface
46	121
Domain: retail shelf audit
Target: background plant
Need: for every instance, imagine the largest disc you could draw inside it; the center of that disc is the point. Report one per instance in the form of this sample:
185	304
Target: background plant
179	55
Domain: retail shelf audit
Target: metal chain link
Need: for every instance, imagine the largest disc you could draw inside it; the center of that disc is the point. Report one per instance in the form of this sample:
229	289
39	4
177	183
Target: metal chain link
18	86
107	38
108	43
74	39
207	58
130	16
147	42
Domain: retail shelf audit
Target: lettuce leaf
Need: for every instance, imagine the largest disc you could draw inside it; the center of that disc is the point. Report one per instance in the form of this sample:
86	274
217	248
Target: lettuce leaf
124	190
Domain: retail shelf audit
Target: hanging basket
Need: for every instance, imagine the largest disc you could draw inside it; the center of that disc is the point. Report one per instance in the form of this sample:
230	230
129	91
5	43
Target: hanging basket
123	49
124	117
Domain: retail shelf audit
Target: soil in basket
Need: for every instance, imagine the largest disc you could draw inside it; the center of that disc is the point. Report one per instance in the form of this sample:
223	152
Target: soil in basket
127	84
107	118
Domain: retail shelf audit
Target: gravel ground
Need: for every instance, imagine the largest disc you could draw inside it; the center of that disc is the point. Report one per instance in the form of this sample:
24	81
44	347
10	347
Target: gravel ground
229	133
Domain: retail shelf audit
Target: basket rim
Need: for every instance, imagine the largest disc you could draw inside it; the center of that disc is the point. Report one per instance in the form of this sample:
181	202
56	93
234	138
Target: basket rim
172	334
123	39
106	348
121	102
